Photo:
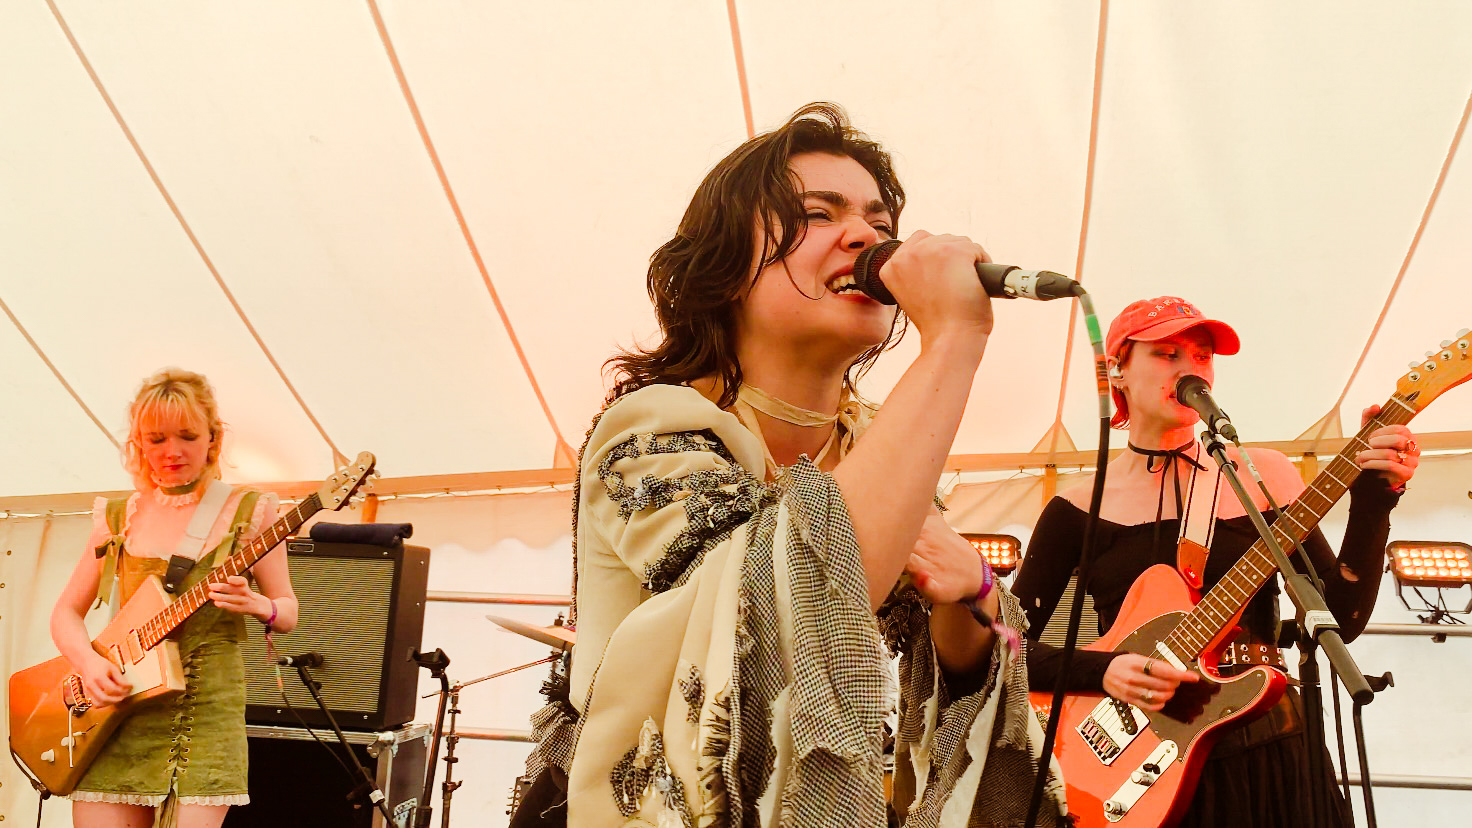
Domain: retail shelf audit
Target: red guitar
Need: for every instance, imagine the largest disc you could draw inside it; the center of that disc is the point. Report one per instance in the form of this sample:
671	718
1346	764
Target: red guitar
1128	767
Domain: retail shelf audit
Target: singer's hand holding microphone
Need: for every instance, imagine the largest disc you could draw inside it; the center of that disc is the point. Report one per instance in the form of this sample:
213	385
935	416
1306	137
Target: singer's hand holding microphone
932	278
999	281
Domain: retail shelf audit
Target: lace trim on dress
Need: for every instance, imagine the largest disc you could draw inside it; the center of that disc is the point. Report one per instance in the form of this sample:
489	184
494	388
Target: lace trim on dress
151	800
227	799
267	505
155	800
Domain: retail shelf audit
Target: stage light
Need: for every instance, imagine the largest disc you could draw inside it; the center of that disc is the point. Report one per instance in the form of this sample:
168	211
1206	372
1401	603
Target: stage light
1001	551
1443	566
1421	563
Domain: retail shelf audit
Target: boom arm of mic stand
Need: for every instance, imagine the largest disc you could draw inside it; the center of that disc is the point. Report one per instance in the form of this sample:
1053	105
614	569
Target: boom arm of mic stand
1317	621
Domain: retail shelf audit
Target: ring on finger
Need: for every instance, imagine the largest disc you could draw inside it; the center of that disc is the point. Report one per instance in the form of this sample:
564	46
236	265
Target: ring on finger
1401	457
1146	668
1412	447
1148	696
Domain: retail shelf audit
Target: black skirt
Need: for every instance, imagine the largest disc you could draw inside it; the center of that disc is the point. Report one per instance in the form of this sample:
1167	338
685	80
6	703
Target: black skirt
1258	777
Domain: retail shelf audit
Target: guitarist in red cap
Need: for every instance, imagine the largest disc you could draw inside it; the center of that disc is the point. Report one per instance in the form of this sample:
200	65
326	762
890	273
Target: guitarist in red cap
1256	774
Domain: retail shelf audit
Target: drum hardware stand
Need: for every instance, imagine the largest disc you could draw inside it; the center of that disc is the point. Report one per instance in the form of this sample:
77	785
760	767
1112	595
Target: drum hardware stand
449	694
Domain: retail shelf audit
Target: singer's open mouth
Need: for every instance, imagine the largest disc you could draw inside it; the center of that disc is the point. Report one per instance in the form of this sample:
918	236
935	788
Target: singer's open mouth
843	283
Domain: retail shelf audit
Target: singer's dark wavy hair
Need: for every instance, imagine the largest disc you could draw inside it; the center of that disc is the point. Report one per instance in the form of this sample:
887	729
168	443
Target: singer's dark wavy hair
697	278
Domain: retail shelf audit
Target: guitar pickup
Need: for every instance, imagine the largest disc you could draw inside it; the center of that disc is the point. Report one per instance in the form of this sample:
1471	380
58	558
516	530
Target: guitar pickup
136	650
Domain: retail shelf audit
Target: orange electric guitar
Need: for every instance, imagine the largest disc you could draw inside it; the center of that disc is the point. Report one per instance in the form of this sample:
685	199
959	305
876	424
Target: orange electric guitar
1133	768
56	731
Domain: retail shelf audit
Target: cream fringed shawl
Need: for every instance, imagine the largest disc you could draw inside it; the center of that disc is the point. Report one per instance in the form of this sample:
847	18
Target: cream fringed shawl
729	670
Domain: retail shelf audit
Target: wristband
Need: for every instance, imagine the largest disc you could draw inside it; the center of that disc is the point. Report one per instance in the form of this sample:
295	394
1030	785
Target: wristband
269	621
988	582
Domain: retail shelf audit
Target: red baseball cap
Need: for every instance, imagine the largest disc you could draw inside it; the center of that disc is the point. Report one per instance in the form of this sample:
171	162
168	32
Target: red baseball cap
1149	320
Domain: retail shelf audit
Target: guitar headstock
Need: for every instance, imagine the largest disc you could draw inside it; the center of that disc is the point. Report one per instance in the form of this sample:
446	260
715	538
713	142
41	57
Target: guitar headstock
341	486
1438	372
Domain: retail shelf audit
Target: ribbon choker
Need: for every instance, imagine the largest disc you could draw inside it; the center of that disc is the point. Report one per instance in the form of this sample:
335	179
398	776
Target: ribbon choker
784	411
1167	457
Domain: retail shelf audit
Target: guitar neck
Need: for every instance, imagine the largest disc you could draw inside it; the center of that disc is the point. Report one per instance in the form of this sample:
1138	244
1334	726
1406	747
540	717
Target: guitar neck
1221	606
159	627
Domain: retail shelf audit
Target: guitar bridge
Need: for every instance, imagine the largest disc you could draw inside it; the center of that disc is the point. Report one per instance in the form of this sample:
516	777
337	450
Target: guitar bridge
1110	728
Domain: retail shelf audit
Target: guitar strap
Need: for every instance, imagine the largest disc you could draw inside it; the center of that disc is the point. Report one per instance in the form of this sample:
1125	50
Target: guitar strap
1198	523
109	552
180	564
191	545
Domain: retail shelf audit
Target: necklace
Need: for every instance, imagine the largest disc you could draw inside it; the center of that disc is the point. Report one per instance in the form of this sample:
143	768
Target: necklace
1170	460
1169	456
180	496
750	399
782	410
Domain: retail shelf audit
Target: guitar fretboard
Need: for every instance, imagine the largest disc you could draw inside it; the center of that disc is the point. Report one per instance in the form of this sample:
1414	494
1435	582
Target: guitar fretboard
1220	606
159	627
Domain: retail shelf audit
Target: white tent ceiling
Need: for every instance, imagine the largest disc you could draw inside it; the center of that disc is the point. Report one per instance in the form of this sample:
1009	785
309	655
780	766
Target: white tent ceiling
418	228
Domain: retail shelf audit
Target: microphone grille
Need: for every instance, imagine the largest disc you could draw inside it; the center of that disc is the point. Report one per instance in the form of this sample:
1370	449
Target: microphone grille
866	270
1190	385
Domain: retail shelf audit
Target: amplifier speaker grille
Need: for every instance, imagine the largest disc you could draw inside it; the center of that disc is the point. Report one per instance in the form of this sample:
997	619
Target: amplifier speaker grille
1057	627
362	608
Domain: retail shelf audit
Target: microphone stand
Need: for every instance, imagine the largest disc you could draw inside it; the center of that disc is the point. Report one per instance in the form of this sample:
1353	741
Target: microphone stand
1316	629
435	662
368	785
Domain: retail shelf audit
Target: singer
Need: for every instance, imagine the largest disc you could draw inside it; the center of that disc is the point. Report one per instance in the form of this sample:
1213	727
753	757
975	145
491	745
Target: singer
1257	775
742	515
186	757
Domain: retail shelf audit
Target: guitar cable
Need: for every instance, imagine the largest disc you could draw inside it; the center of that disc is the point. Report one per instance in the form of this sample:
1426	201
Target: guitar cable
296	714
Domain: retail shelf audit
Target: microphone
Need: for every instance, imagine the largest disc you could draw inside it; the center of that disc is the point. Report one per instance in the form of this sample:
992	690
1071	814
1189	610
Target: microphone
303	660
1193	392
999	281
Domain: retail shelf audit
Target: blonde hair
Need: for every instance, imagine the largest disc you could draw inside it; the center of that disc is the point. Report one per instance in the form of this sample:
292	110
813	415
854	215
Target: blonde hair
172	393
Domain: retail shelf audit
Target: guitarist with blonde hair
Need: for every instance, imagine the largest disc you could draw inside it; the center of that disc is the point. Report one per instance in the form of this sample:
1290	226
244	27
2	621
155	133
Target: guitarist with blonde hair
1257	775
186	754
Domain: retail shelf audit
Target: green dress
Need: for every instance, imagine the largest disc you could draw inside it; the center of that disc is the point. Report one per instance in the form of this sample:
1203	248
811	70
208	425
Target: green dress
192	745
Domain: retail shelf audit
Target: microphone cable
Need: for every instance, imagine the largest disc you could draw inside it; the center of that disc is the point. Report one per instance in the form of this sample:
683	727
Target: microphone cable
1085	558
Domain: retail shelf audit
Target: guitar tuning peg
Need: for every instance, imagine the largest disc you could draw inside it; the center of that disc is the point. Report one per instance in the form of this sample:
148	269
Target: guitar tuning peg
1413	365
1463	332
1446	343
1430	353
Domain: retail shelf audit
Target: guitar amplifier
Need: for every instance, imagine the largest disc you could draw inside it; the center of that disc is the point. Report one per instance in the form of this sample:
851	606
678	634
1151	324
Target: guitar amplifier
362	608
293	781
1055	632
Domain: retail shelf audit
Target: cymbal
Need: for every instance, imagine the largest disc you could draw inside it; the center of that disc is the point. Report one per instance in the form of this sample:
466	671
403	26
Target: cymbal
559	637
